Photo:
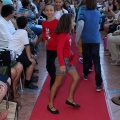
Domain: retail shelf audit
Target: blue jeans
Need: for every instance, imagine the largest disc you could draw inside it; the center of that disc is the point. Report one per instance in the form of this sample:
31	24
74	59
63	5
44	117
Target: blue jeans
36	29
88	50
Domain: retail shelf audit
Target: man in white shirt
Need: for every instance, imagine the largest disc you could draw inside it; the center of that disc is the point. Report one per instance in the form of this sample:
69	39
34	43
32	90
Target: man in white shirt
6	31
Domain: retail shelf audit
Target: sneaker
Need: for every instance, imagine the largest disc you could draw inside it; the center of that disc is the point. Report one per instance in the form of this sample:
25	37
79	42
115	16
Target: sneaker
81	59
90	70
34	80
31	86
98	88
85	77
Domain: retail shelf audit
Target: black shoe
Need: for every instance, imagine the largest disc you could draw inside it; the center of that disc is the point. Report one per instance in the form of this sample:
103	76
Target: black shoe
72	104
31	86
50	109
34	79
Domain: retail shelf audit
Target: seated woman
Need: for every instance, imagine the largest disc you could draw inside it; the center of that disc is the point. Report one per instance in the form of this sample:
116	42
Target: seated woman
4	81
110	26
113	43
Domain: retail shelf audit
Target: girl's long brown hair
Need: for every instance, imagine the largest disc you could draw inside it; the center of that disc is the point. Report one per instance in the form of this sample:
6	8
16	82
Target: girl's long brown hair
64	24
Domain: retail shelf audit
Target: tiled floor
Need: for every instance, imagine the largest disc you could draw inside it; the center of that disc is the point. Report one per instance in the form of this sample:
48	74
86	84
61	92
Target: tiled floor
111	76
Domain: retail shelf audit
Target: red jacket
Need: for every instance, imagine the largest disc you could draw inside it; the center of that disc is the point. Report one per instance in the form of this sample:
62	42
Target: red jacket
52	42
64	48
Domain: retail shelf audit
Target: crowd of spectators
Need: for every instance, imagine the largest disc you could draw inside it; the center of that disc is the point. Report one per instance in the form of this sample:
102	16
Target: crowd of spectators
21	20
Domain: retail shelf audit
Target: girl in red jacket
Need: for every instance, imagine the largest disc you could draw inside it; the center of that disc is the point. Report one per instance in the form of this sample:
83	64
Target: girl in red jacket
48	27
64	62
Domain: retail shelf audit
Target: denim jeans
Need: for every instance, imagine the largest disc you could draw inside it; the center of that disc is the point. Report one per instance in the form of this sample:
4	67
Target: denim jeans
92	49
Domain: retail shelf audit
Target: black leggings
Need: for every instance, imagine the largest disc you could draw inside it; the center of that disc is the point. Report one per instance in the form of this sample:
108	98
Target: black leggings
50	65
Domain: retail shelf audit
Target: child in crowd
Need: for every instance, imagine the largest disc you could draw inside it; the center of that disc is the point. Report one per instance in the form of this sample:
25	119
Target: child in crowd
64	62
90	40
50	38
67	7
59	9
20	44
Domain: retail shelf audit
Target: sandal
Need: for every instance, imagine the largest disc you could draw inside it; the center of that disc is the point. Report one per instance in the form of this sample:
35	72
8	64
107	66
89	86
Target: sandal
3	115
72	104
50	109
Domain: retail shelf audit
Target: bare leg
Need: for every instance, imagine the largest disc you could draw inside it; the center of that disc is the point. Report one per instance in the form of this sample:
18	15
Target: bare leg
13	73
75	78
29	71
39	39
53	91
19	68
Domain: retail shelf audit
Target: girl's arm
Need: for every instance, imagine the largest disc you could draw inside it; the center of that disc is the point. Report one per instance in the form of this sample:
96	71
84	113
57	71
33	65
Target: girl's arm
43	32
79	30
60	49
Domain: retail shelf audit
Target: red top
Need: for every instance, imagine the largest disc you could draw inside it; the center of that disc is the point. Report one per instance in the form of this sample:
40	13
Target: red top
64	47
52	42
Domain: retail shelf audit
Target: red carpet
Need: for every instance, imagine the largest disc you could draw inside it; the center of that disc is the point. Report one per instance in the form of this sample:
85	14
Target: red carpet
93	105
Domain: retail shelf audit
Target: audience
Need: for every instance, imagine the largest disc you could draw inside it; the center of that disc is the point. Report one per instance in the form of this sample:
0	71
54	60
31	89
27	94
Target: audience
14	36
21	45
6	31
110	26
4	82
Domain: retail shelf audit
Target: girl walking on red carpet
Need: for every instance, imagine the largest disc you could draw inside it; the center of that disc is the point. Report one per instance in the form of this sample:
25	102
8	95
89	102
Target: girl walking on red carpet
50	38
64	62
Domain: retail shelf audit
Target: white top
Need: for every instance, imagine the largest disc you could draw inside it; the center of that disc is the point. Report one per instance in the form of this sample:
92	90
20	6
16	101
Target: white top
20	39
117	15
6	31
36	10
19	5
59	13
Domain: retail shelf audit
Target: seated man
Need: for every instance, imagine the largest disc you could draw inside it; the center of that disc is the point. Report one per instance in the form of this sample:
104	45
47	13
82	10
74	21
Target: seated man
20	44
4	80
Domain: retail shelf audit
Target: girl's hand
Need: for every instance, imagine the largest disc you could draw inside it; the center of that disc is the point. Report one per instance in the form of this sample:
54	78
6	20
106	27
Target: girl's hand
62	69
46	42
